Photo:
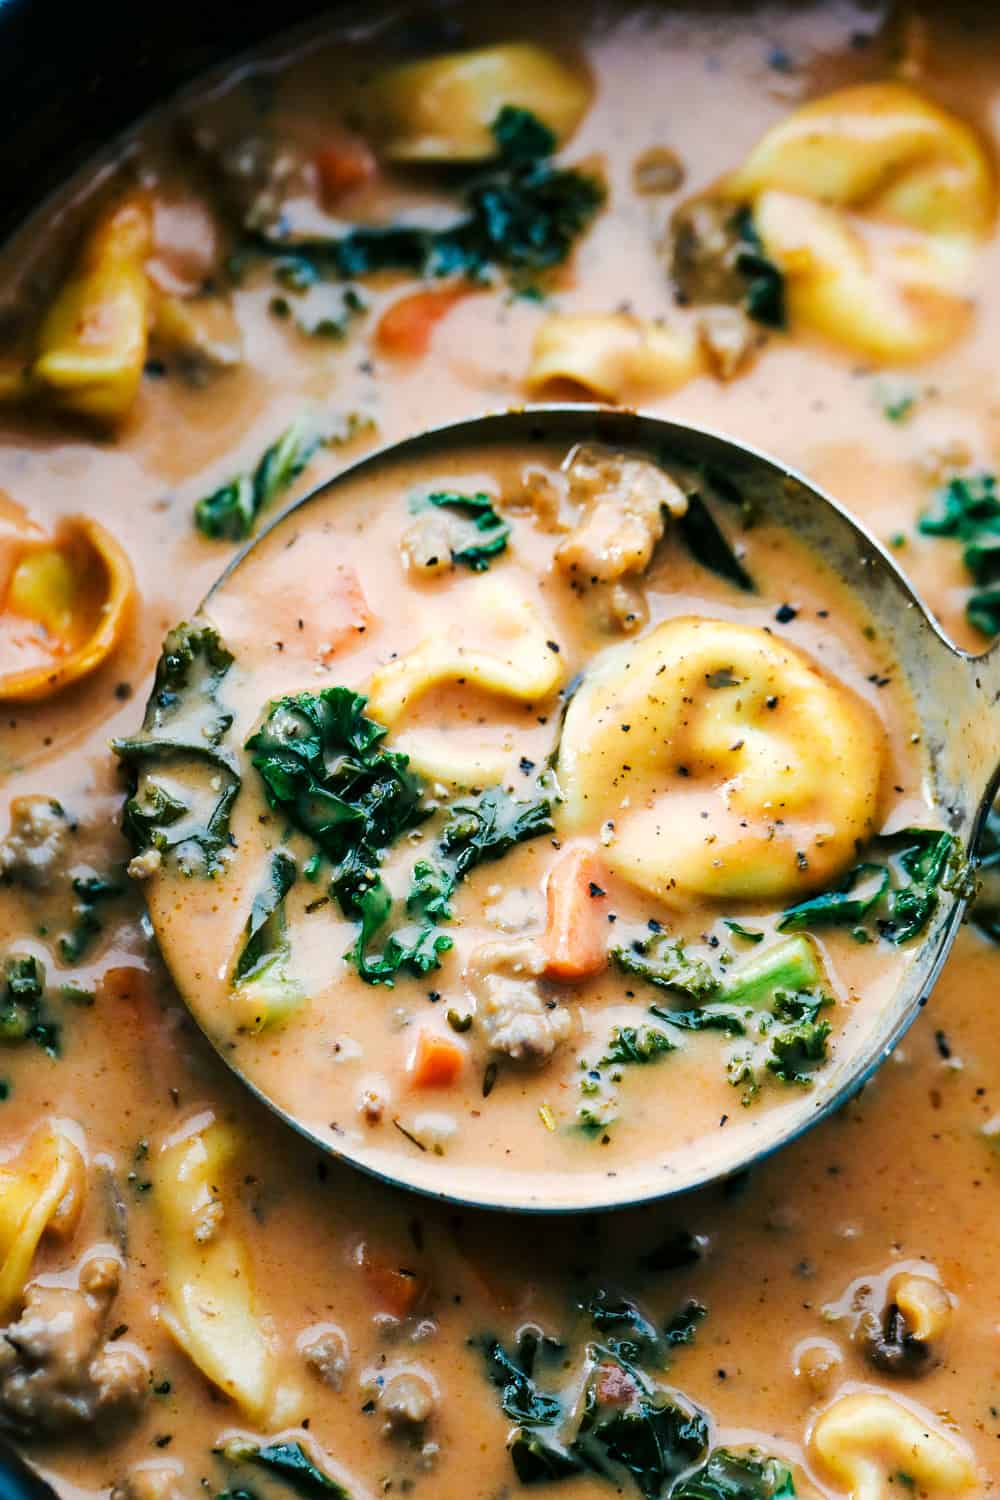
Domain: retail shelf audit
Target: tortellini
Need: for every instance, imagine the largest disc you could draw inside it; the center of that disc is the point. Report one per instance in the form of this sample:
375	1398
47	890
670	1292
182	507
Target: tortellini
724	764
502	647
92	343
41	1190
211	1313
613	355
866	1438
66	603
442	108
873	202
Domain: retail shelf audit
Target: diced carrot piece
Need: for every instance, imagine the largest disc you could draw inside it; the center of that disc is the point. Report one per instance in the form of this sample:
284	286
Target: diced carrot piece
343	165
436	1062
397	1290
405	328
575	938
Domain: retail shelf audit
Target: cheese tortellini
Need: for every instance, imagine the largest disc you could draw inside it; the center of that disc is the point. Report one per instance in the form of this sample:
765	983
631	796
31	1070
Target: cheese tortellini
41	1191
503	647
442	108
211	1312
873	202
613	355
866	1438
723	763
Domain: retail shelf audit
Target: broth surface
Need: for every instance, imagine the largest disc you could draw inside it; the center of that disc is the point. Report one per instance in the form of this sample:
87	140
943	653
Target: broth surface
372	1311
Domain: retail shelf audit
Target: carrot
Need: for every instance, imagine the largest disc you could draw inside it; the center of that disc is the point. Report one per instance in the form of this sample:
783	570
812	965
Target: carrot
396	1290
405	328
575	937
436	1062
343	165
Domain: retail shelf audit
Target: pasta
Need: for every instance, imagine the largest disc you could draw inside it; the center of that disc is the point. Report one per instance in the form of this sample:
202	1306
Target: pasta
865	1438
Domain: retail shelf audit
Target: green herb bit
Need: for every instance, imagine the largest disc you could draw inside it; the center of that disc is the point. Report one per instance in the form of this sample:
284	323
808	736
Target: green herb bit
636	1044
91	891
969	511
261	975
21	1012
288	1462
983	611
324	312
764	299
522	213
487	531
180	749
748	934
683	1326
737	1476
230	512
665	962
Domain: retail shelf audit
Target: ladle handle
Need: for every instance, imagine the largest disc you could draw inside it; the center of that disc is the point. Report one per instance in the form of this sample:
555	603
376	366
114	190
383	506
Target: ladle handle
985	733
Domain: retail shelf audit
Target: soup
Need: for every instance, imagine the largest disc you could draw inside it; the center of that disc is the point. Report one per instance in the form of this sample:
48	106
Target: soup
778	222
599	870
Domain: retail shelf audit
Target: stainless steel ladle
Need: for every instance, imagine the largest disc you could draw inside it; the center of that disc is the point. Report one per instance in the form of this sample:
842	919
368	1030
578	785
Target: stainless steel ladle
957	700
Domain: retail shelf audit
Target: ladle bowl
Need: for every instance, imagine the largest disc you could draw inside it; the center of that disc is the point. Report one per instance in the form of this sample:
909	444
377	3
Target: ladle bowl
956	698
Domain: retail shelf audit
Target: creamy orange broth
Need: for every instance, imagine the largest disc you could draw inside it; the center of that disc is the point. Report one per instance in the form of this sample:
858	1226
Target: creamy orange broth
345	1041
901	1180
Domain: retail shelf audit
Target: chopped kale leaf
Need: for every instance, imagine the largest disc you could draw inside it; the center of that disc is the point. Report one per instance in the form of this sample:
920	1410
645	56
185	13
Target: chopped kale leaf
968	510
90	891
229	513
487	531
522	213
182	780
684	1324
665	962
737	1476
900	895
986	909
288	1462
513	1376
325	768
636	1044
22	1016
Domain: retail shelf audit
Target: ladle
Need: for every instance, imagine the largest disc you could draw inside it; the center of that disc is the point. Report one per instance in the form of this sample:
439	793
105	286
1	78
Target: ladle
957	703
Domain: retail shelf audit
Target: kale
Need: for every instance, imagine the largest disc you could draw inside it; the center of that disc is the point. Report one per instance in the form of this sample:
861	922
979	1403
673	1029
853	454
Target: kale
748	934
485	533
513	1376
737	1476
90	891
654	1439
179	755
664	961
539	1460
707	543
901	895
764	298
624	1329
475	832
229	513
627	1045
684	1324
969	512
263	936
791	1042
522	213
21	1010
288	1462
636	1044
326	313
324	767
842	906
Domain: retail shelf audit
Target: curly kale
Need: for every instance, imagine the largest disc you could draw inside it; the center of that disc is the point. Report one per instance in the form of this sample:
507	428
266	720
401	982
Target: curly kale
325	768
183	780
